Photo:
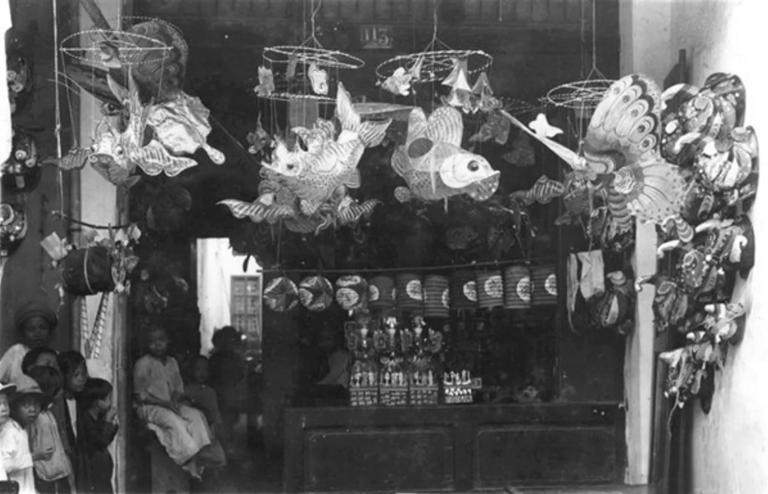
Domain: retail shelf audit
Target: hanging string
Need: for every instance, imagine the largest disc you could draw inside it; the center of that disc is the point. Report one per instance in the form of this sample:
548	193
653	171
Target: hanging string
445	267
61	214
57	102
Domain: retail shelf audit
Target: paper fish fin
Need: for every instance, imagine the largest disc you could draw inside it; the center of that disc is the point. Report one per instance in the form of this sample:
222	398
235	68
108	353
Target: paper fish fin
569	156
400	162
417	125
309	206
403	194
345	112
445	125
371	132
419	148
352	179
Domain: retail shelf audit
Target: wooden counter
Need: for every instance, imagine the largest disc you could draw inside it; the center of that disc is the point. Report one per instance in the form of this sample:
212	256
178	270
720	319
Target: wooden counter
452	447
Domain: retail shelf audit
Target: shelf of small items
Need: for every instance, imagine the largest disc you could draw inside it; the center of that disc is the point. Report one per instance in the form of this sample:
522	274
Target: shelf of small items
458	387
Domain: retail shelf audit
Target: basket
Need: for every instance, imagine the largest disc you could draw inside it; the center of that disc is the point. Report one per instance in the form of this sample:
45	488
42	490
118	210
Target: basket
517	287
463	290
364	396
436	296
544	280
88	271
490	289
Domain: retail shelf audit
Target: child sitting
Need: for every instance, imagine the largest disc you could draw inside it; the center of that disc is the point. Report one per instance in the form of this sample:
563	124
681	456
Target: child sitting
96	430
53	470
15	458
158	394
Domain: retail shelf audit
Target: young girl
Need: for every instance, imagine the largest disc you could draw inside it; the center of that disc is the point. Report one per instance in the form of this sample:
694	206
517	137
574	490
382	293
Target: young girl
15	459
53	471
96	430
35	322
158	391
200	394
74	374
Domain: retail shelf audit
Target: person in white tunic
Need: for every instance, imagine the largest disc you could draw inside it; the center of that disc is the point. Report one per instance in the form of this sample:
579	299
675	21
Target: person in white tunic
15	458
158	394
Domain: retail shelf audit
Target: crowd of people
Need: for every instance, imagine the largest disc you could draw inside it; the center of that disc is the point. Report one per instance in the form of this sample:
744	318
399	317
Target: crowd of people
57	422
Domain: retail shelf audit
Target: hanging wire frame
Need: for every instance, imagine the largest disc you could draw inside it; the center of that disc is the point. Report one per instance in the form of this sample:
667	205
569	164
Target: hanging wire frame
438	60
584	95
518	108
310	52
90	47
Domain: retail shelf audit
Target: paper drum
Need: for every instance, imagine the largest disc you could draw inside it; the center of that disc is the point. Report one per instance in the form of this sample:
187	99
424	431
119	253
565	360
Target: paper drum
410	296
381	292
463	290
490	289
281	294
315	293
517	287
436	296
544	285
351	292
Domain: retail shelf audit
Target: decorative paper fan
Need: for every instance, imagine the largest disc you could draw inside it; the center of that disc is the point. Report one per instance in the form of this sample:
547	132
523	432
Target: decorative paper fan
316	293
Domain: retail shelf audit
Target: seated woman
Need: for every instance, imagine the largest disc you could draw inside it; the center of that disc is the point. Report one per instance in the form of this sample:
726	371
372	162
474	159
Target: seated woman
159	398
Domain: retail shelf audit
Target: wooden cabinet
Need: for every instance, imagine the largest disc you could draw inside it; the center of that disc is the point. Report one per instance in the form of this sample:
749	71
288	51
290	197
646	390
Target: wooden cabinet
452	447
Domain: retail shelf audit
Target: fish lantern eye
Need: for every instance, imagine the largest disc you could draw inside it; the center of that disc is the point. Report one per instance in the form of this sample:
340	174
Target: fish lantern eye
20	154
290	166
473	166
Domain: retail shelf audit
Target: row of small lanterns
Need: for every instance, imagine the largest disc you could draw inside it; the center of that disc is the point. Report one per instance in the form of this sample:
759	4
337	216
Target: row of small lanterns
433	295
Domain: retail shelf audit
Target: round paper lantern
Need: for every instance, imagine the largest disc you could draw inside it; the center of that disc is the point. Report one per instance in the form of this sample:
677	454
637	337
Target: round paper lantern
21	171
88	271
315	293
463	290
544	285
381	292
517	287
490	289
351	292
410	296
436	296
281	294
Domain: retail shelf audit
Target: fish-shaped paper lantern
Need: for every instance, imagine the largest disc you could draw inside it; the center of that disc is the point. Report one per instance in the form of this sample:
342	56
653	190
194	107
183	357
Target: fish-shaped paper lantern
622	141
318	78
461	92
266	84
314	175
543	191
434	165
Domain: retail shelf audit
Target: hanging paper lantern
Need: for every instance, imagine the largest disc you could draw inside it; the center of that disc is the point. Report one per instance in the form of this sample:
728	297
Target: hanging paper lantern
13	229
436	296
315	293
381	292
463	290
410	295
544	285
517	287
490	289
281	294
21	171
351	292
88	271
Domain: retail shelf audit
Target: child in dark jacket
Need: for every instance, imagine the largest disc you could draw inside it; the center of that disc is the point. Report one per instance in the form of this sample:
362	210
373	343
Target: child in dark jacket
96	428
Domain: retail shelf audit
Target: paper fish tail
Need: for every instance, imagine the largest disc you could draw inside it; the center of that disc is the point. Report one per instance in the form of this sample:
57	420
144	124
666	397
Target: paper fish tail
373	132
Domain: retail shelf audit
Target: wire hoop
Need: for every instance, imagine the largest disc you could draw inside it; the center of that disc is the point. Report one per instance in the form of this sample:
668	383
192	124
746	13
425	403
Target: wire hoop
436	64
88	47
578	95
